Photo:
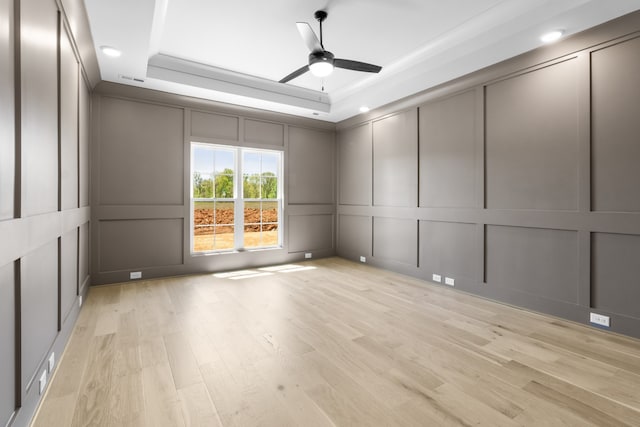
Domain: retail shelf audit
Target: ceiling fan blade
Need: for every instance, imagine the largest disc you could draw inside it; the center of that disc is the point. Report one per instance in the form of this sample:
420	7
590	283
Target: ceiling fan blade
356	65
309	37
300	71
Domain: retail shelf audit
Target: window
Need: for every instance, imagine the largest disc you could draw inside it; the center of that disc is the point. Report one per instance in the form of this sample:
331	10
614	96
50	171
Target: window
236	198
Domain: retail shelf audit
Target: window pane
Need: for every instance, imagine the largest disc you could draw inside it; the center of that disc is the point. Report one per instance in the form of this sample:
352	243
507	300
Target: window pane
270	163
202	186
203	238
225	162
251	179
252	213
252	236
270	212
224	186
269	187
203	213
251	163
251	186
224	213
202	159
256	236
269	234
203	218
224	238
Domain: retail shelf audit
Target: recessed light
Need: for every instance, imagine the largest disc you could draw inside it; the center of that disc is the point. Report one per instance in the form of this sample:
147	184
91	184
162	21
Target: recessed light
551	36
364	109
110	51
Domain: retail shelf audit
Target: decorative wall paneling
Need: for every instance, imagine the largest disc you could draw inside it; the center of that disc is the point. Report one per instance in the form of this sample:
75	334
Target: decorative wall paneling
141	182
526	180
44	187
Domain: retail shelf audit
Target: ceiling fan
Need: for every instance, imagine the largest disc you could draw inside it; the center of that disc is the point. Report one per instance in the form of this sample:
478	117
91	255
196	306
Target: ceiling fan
321	61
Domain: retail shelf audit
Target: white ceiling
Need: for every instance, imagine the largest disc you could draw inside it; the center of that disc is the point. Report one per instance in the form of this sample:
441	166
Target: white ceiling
236	51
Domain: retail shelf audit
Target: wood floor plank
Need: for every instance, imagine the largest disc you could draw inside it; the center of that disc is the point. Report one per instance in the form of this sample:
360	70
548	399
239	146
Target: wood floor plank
466	406
581	409
415	413
56	411
623	387
108	319
127	407
184	367
152	351
332	343
242	400
92	403
594	350
290	376
601	402
346	401
73	362
197	407
162	405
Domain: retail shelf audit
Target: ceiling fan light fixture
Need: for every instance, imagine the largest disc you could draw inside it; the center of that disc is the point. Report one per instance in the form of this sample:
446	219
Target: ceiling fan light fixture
321	68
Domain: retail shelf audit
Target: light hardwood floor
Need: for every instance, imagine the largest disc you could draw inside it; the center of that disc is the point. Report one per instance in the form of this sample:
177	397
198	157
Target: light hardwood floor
332	343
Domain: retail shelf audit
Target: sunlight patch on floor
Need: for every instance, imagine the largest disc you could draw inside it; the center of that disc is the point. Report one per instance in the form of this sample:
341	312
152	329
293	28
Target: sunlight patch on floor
288	268
263	271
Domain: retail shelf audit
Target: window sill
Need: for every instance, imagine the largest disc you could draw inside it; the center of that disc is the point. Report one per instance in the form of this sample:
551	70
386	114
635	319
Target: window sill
241	251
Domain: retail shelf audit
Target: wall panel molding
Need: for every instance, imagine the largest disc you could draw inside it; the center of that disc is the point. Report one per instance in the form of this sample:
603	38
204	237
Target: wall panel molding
8	340
614	103
447	147
7	111
43	168
308	177
24	235
395	159
355	166
536	162
531	139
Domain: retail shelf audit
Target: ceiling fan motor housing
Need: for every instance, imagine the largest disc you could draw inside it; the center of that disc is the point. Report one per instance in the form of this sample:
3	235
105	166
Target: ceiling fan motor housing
324	56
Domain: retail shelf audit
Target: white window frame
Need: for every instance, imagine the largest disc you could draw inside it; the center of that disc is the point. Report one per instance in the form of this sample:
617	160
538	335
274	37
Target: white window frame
238	198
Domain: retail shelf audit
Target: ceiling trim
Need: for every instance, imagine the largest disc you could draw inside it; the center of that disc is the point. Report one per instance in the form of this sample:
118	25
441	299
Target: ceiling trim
144	94
177	70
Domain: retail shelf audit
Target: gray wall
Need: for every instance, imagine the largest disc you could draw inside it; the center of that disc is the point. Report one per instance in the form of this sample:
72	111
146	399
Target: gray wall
140	181
44	183
519	181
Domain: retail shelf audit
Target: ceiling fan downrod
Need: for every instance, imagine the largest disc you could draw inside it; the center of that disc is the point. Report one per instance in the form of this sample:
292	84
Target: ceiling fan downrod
320	16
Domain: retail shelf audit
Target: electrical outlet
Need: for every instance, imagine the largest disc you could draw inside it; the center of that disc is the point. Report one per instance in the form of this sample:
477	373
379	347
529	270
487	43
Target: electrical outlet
52	362
436	278
449	281
599	319
135	275
363	259
308	255
43	381
80	301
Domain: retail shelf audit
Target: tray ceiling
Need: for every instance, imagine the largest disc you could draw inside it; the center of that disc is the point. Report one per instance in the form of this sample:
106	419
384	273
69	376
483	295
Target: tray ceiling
235	52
